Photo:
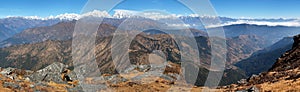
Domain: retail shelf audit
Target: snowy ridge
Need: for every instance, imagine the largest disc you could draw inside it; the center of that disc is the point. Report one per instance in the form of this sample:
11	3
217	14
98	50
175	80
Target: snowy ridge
66	16
69	16
124	13
189	19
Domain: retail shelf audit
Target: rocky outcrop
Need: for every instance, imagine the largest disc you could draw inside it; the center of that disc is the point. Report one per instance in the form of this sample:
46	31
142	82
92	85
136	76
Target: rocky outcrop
53	73
47	79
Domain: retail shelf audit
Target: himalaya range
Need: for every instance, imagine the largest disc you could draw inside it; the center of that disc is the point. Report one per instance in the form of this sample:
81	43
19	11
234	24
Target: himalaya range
12	25
253	45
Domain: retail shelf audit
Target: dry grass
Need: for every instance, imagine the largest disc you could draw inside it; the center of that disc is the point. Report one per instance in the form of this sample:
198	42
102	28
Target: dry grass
4	89
160	85
279	86
282	86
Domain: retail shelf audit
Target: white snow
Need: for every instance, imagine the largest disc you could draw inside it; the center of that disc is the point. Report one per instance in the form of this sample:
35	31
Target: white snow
124	13
119	13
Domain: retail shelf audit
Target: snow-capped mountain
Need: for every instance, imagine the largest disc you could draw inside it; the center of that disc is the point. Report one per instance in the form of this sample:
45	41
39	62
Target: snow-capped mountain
67	16
192	20
13	25
124	14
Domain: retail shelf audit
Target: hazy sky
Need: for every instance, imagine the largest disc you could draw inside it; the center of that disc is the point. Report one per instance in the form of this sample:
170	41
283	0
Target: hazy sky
229	8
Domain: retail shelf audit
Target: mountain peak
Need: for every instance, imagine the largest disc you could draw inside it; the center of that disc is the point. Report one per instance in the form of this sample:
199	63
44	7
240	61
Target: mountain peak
124	13
297	41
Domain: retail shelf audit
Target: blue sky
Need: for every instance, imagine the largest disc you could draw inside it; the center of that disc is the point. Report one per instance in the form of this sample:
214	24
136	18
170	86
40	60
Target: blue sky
229	8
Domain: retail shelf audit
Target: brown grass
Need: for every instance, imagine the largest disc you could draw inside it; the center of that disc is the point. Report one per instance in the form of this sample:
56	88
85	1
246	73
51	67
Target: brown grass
282	86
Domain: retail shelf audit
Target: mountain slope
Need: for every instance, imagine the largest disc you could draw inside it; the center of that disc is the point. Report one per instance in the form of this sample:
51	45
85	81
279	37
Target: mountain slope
241	47
289	60
13	25
286	69
263	60
38	55
37	41
5	32
271	34
64	31
282	77
61	31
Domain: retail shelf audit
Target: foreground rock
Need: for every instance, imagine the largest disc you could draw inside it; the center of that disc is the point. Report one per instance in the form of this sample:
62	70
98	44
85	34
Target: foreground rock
47	79
51	73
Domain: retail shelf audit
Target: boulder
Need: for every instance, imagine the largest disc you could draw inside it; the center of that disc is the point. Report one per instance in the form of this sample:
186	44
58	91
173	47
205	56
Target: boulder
114	79
11	85
143	68
7	71
130	69
75	89
253	89
243	81
49	73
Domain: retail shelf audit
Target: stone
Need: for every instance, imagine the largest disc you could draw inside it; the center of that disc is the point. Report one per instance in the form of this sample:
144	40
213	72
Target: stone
12	77
130	69
27	79
253	89
115	79
32	86
242	81
7	71
75	89
11	85
19	80
166	77
143	68
49	73
41	84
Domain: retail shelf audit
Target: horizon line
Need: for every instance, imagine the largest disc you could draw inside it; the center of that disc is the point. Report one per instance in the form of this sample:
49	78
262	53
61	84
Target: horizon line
112	14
